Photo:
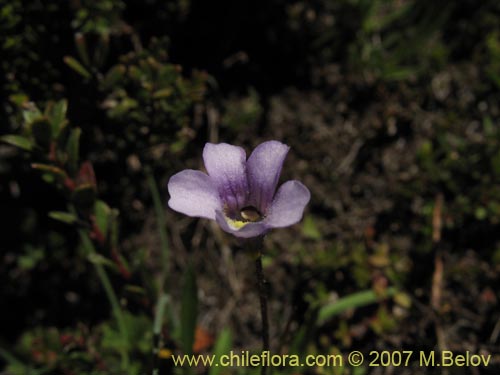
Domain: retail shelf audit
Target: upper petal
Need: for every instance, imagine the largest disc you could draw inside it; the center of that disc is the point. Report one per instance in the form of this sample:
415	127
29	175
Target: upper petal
288	205
263	171
193	193
226	166
247	230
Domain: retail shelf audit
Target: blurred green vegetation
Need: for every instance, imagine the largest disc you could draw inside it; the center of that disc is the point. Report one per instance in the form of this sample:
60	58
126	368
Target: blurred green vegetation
391	110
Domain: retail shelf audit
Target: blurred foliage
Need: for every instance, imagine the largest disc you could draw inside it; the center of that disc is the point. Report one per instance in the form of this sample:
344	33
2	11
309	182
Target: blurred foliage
388	106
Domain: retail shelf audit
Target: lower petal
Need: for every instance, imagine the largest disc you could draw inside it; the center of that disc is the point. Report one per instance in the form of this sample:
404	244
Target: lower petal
194	194
241	228
288	205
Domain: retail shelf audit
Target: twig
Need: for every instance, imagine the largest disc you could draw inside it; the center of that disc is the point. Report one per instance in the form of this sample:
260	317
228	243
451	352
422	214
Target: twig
345	163
437	277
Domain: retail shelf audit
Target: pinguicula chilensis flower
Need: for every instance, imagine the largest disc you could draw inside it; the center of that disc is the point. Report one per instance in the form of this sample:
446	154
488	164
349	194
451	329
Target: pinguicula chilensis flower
240	194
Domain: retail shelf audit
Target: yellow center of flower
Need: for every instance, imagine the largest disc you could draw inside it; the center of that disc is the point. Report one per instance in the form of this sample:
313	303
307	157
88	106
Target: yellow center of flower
236	224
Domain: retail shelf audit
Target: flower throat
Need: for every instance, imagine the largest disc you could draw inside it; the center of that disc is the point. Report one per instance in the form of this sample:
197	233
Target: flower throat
250	213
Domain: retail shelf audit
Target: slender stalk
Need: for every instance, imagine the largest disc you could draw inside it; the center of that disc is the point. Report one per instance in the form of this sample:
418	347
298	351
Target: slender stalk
110	293
159	313
263	305
162	232
163	284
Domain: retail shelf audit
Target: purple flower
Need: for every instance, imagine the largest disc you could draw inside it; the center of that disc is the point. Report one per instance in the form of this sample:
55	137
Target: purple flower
240	194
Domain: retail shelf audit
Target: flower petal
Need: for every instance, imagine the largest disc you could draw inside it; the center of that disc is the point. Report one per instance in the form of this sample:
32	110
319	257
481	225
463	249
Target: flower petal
288	205
263	171
246	230
226	166
193	193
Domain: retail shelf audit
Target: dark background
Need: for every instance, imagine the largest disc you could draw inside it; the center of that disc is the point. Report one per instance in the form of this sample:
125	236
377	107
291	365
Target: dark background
390	109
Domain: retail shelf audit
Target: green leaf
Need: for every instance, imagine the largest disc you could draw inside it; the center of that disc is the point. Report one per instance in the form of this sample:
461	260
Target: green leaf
135	289
305	333
352	301
113	76
42	132
95	258
72	149
163	93
58	116
189	311
84	196
56	172
31	258
31	113
160	314
81	48
76	66
399	74
65	217
18	141
19	99
101	50
62	142
102	216
222	346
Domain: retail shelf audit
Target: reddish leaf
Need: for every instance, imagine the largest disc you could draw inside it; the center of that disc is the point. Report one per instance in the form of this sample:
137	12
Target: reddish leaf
86	175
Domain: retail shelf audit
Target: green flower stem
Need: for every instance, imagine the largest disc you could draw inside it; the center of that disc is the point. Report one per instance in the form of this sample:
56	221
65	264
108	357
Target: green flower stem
110	293
254	245
263	307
